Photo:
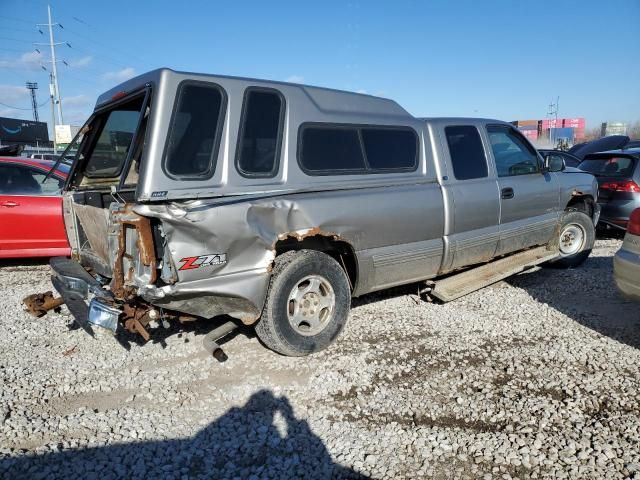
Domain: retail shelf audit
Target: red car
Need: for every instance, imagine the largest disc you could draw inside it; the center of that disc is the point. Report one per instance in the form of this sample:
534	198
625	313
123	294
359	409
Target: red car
31	223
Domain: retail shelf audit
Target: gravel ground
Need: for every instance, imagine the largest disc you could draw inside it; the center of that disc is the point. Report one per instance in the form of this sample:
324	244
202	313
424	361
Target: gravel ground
536	377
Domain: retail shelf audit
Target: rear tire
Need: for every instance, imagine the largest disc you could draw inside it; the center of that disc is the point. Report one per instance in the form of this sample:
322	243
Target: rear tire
307	303
575	241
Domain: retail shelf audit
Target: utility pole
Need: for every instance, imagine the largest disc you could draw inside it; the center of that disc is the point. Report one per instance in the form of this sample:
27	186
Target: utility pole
52	44
52	92
33	86
553	113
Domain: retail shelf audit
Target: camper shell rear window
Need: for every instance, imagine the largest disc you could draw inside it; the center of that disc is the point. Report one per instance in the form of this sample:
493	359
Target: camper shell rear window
111	139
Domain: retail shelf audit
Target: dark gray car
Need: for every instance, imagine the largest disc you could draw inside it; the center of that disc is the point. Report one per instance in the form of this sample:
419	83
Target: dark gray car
618	178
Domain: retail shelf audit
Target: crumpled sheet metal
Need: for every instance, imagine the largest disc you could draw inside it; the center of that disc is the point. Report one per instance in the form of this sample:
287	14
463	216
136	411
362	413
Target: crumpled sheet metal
247	232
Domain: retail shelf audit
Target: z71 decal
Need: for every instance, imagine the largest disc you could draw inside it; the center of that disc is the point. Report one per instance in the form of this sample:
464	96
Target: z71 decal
203	261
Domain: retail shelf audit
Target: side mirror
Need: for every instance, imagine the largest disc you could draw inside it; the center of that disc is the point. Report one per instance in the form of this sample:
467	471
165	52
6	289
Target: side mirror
553	163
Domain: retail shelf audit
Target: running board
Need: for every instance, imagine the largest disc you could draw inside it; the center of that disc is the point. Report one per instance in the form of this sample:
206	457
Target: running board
463	283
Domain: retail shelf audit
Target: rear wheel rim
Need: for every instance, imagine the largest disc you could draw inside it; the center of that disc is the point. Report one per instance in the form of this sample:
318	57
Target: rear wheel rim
311	305
572	239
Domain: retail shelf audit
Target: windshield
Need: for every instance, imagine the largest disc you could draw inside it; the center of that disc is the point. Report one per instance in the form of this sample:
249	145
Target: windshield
609	166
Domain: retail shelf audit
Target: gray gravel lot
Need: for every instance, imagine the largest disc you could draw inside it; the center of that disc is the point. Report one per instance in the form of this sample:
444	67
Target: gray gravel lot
535	377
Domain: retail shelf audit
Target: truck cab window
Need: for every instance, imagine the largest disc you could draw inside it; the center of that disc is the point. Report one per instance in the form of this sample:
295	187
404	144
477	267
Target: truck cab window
466	151
260	133
513	155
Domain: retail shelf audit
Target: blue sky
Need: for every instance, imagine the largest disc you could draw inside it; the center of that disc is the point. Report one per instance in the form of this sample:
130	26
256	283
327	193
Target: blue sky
504	59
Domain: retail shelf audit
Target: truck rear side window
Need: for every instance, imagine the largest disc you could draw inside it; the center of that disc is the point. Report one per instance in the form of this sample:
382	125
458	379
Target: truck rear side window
260	133
349	149
466	151
195	130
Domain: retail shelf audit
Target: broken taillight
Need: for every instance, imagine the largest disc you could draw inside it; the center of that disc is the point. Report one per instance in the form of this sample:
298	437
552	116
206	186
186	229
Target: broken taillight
633	227
622	186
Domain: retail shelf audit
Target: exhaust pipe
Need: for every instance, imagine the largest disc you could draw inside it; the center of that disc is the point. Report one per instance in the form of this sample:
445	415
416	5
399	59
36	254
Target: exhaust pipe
210	340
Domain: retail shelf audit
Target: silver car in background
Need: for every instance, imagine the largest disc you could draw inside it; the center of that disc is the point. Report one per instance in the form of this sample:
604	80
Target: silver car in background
626	263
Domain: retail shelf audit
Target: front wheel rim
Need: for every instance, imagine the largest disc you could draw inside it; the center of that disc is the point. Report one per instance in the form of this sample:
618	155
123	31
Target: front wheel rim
311	305
572	239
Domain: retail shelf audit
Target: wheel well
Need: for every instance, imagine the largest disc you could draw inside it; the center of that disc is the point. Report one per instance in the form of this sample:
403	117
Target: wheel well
582	203
339	250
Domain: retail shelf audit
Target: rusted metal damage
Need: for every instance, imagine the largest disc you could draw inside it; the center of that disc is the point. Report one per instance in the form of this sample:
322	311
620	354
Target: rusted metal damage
39	304
300	235
136	317
120	283
306	233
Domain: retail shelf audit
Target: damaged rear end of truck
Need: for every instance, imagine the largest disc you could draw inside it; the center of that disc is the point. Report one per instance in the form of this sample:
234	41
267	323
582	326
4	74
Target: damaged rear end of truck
144	251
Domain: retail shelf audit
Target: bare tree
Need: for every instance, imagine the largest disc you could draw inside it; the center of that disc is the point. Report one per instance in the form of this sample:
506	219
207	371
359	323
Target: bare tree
634	130
592	134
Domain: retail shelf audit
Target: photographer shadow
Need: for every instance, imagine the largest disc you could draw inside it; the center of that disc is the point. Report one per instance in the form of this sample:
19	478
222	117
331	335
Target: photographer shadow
262	439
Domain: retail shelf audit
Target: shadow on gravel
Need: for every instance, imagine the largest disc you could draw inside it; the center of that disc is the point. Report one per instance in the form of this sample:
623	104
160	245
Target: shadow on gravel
262	439
410	289
198	327
588	295
24	262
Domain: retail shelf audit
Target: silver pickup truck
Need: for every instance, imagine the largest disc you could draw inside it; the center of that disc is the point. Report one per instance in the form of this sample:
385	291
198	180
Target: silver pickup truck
193	196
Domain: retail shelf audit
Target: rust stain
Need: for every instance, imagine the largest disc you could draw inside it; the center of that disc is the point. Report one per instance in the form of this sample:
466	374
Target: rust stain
39	304
308	232
142	225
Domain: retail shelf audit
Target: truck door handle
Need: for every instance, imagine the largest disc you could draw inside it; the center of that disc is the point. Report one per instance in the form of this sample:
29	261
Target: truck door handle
10	204
507	193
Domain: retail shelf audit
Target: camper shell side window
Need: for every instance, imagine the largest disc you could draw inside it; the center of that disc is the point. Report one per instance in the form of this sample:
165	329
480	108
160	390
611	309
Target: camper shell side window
343	149
195	130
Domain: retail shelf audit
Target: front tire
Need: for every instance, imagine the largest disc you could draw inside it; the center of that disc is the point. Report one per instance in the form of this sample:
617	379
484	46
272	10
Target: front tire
575	241
307	303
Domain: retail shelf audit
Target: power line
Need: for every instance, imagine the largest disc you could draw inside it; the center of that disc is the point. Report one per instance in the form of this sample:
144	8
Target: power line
20	30
14	40
110	47
12	50
87	52
22	20
18	108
